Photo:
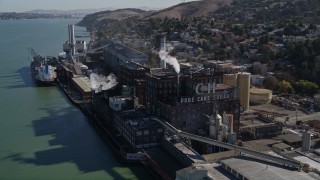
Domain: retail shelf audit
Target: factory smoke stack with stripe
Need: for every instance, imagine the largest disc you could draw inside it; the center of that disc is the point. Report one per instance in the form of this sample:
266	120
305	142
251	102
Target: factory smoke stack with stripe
166	58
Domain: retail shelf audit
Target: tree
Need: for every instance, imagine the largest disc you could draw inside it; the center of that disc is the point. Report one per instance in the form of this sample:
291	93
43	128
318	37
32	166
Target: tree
291	30
257	68
270	82
306	87
237	30
285	87
267	53
285	76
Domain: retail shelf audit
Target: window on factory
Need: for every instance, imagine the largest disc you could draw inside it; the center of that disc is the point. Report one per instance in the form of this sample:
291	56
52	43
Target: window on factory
184	123
146	139
146	132
139	133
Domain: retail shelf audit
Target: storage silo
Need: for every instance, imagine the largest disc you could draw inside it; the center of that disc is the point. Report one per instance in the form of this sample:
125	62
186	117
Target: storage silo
260	96
306	141
228	120
214	126
230	79
244	88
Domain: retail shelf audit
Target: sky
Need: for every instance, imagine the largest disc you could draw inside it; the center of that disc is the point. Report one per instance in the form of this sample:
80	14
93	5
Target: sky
26	5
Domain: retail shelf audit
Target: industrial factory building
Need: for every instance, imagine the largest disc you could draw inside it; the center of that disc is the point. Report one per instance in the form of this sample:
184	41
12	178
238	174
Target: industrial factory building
132	75
186	100
139	129
116	54
128	72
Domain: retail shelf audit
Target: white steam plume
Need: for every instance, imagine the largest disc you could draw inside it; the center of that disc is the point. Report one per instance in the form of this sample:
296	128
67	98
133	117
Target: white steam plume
164	55
100	82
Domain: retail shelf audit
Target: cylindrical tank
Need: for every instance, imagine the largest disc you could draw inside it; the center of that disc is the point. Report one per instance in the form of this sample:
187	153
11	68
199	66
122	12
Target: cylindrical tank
244	87
230	79
213	132
260	96
81	46
218	119
306	141
66	47
228	120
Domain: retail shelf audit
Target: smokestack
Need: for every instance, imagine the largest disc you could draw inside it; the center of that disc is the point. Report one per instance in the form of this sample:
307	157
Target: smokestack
71	38
163	64
178	85
164	55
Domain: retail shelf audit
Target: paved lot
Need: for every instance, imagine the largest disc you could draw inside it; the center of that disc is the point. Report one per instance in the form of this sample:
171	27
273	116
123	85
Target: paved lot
284	113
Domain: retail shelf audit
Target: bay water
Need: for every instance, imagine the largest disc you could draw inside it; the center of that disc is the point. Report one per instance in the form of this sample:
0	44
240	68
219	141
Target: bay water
42	135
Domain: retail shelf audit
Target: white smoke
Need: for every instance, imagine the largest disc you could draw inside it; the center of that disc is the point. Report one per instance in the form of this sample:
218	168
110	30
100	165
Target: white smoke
164	55
100	82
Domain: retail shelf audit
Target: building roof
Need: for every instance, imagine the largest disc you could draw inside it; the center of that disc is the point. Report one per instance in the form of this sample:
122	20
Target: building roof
141	123
281	146
290	138
212	171
190	153
133	66
260	145
256	169
139	119
83	83
219	155
259	91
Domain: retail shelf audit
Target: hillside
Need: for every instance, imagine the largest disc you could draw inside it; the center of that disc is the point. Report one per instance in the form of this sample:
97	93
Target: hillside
190	9
119	14
185	10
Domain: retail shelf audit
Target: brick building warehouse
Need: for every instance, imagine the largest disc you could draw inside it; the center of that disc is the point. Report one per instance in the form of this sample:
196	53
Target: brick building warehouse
116	54
139	129
185	103
132	75
183	100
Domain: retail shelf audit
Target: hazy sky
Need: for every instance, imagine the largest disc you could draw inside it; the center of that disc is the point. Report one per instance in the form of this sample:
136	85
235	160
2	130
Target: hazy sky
25	5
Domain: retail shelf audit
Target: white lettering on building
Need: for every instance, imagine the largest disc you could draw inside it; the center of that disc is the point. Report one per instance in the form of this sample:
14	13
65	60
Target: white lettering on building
209	89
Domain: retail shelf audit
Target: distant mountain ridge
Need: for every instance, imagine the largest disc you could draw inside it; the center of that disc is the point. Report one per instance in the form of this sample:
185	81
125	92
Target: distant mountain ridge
82	11
190	9
182	10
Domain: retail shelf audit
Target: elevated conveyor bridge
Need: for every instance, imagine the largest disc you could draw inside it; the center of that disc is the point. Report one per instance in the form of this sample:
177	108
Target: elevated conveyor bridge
279	160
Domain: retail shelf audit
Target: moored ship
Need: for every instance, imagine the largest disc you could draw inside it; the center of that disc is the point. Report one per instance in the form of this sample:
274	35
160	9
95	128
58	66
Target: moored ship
43	69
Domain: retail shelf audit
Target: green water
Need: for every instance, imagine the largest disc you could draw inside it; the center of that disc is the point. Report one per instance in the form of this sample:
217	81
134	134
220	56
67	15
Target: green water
42	135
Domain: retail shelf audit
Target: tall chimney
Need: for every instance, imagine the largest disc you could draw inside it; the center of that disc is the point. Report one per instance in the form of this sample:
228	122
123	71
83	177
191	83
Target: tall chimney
164	48
72	39
178	84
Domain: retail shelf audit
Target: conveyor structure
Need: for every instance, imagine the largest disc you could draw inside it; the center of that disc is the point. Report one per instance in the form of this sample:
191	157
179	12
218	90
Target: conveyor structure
279	160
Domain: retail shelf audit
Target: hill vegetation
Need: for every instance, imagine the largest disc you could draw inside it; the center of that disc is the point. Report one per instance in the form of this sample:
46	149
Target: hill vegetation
183	10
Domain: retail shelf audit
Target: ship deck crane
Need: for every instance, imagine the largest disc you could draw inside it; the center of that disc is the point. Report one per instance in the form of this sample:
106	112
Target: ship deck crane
33	52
